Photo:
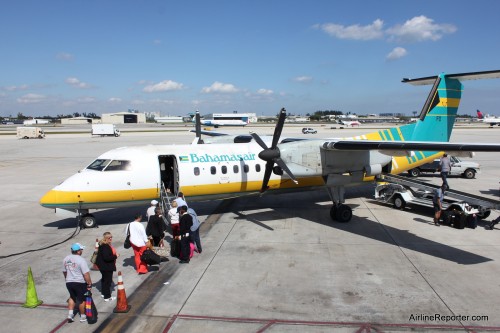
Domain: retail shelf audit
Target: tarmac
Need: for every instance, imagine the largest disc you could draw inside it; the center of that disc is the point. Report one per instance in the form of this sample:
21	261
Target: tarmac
271	263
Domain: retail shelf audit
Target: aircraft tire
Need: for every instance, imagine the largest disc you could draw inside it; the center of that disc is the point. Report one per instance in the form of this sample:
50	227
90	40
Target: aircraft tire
344	213
88	221
333	212
399	202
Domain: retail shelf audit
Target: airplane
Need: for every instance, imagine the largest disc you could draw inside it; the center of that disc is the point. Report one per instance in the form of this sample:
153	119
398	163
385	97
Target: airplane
490	120
228	166
349	123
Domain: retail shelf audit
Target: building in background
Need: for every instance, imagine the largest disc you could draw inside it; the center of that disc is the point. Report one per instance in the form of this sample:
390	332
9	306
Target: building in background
123	118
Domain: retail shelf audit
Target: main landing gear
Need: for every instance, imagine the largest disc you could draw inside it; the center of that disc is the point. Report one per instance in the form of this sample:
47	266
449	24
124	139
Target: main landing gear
341	213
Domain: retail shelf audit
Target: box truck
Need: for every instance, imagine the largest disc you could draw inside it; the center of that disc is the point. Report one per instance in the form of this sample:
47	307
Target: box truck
30	133
105	129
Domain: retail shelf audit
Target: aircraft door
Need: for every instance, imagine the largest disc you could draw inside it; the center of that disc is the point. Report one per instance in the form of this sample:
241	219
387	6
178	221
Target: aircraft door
169	174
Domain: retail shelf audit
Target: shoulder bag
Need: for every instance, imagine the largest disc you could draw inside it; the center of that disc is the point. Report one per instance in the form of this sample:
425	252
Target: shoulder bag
127	243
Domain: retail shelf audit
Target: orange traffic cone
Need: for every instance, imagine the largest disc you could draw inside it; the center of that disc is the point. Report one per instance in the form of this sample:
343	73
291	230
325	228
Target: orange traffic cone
96	248
32	300
121	300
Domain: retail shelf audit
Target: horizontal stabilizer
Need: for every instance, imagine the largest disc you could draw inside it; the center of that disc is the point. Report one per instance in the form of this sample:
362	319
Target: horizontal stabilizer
410	146
461	76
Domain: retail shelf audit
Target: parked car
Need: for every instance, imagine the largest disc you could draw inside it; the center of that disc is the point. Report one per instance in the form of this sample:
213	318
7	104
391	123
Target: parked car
467	169
308	130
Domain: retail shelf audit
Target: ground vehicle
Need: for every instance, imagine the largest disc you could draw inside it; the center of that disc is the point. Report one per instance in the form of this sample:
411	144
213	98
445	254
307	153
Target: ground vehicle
105	129
400	191
30	133
467	169
308	130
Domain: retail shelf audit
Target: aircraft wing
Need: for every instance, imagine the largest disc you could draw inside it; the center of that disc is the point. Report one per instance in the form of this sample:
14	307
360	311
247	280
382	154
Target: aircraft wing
406	147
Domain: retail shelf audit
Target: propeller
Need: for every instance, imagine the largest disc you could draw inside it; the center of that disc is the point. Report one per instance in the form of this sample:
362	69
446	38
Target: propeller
272	155
197	126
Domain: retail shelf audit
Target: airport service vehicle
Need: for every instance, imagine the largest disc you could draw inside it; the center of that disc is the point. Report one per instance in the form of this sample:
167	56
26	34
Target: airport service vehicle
308	130
466	169
30	133
400	191
227	166
105	130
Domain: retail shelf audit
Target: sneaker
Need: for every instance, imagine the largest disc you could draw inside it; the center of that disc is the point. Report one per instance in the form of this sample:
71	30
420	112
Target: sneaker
102	296
71	318
109	299
83	319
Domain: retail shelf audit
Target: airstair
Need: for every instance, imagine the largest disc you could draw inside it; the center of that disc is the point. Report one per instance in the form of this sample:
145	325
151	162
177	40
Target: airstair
165	200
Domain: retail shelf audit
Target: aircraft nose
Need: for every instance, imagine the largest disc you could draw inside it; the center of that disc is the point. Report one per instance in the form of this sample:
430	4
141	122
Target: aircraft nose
49	199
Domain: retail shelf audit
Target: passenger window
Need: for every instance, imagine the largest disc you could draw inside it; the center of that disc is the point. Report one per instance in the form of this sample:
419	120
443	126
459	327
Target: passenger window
98	165
236	169
213	170
196	171
116	165
257	167
224	169
246	168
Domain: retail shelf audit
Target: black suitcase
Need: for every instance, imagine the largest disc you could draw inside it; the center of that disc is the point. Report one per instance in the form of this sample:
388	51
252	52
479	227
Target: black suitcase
175	248
150	258
472	221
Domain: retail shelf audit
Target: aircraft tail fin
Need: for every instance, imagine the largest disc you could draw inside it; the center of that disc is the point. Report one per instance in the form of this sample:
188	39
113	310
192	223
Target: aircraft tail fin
479	115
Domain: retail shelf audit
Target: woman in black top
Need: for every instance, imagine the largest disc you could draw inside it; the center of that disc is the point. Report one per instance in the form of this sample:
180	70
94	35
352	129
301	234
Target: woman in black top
106	261
156	228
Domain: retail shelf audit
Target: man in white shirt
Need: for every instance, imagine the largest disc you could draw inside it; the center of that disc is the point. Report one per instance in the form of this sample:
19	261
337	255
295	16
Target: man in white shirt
180	200
140	243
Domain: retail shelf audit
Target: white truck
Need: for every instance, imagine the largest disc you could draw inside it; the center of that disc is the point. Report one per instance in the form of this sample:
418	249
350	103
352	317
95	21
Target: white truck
30	133
105	130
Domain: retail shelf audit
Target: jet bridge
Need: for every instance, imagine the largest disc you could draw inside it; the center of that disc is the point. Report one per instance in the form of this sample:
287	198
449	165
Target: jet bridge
399	191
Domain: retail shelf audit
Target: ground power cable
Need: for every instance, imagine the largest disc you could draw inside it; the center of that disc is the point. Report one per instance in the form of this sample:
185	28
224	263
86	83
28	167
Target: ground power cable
75	232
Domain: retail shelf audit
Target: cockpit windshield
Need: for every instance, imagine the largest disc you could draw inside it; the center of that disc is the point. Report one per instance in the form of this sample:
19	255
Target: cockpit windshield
117	165
109	165
98	165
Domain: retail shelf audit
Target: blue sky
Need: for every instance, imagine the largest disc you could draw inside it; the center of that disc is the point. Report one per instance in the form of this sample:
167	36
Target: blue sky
173	57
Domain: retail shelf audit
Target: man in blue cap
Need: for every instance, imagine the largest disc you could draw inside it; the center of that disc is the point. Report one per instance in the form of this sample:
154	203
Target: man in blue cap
77	275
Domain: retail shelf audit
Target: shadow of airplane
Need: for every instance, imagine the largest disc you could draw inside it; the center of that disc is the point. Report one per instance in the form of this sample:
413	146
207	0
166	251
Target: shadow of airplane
361	226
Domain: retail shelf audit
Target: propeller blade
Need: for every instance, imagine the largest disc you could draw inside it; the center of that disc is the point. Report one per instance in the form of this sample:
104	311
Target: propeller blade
198	126
267	175
279	128
284	167
257	139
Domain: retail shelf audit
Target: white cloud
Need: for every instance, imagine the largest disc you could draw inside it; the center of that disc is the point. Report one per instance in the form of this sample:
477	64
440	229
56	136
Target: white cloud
65	56
265	92
31	99
303	79
73	81
396	53
356	32
419	28
115	100
16	88
86	99
219	87
166	85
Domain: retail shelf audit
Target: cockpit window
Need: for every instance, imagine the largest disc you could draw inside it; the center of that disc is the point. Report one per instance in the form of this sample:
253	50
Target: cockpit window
117	165
98	164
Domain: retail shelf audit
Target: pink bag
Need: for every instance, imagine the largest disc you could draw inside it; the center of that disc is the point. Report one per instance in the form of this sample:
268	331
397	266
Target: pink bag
191	250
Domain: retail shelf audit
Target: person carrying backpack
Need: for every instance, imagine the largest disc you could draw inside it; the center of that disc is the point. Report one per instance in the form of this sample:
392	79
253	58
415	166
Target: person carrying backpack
437	201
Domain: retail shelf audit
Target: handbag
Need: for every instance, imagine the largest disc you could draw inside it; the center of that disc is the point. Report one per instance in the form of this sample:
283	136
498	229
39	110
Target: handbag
127	243
93	259
90	308
161	251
